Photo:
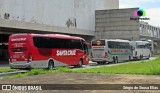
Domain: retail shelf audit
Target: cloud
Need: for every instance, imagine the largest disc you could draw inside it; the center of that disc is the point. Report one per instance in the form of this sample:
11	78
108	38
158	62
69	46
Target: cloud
127	4
137	3
154	16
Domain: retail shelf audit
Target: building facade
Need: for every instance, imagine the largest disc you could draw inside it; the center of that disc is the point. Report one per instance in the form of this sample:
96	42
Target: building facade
123	24
116	23
72	17
79	14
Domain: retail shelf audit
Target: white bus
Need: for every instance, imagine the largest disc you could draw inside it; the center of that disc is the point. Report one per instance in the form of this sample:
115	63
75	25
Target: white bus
141	49
110	50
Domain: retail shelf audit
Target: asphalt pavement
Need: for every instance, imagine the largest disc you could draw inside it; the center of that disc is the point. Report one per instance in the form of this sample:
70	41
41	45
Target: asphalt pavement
90	65
4	63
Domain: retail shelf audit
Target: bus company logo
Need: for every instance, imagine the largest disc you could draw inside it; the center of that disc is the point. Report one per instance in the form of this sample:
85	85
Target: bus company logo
118	50
18	39
66	52
98	43
139	15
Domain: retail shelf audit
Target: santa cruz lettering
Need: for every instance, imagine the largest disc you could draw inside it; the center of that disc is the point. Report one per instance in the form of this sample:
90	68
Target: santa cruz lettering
66	52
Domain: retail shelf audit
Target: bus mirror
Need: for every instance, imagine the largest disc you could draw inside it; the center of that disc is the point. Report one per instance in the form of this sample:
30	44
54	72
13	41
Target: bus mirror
132	48
88	44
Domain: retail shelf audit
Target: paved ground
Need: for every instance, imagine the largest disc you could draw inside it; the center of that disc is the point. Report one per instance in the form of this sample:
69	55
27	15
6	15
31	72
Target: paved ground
84	78
90	65
4	64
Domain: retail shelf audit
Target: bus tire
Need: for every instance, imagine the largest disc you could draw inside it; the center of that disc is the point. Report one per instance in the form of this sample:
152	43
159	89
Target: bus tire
116	59
80	63
103	63
148	57
140	57
98	63
129	58
50	65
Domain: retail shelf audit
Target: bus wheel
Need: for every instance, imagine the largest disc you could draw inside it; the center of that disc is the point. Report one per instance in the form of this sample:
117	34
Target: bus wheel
80	63
50	65
129	58
140	56
116	59
98	63
103	63
148	57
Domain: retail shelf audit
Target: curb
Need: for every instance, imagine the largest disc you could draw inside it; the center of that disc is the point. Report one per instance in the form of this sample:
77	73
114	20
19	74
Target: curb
11	73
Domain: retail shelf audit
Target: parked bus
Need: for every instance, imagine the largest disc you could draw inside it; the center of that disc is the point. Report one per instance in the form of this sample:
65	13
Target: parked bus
141	49
46	51
108	50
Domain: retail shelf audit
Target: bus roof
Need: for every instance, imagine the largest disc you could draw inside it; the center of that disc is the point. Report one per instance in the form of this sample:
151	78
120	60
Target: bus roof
52	35
117	40
142	41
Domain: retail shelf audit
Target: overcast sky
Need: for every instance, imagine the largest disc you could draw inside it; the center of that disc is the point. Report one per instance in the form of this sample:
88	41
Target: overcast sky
152	8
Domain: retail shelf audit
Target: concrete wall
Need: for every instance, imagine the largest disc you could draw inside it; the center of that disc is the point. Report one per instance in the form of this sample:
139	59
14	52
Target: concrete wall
116	24
56	12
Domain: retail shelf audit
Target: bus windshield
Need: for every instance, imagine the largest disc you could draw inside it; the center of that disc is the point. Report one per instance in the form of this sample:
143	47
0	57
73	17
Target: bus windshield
98	43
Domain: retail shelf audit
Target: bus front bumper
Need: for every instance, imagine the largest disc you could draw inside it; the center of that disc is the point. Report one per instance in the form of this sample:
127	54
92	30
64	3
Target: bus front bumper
99	60
20	65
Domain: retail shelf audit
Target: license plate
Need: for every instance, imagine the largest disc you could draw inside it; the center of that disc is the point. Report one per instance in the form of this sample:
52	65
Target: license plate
18	66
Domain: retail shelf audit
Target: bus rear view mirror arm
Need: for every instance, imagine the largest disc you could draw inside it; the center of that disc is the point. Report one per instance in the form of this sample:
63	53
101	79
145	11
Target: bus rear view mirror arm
132	48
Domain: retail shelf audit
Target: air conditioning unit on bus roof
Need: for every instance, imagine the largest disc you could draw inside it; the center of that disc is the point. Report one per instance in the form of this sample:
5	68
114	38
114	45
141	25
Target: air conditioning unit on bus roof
61	35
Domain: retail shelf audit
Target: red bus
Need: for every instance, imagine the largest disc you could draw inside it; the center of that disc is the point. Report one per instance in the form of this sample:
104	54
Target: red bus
46	51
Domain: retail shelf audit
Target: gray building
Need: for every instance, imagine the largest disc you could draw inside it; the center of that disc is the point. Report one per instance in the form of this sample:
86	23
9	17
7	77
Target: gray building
71	17
116	23
74	17
123	24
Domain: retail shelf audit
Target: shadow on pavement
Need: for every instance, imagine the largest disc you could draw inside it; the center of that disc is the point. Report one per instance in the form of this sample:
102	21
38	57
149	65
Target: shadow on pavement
4	63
